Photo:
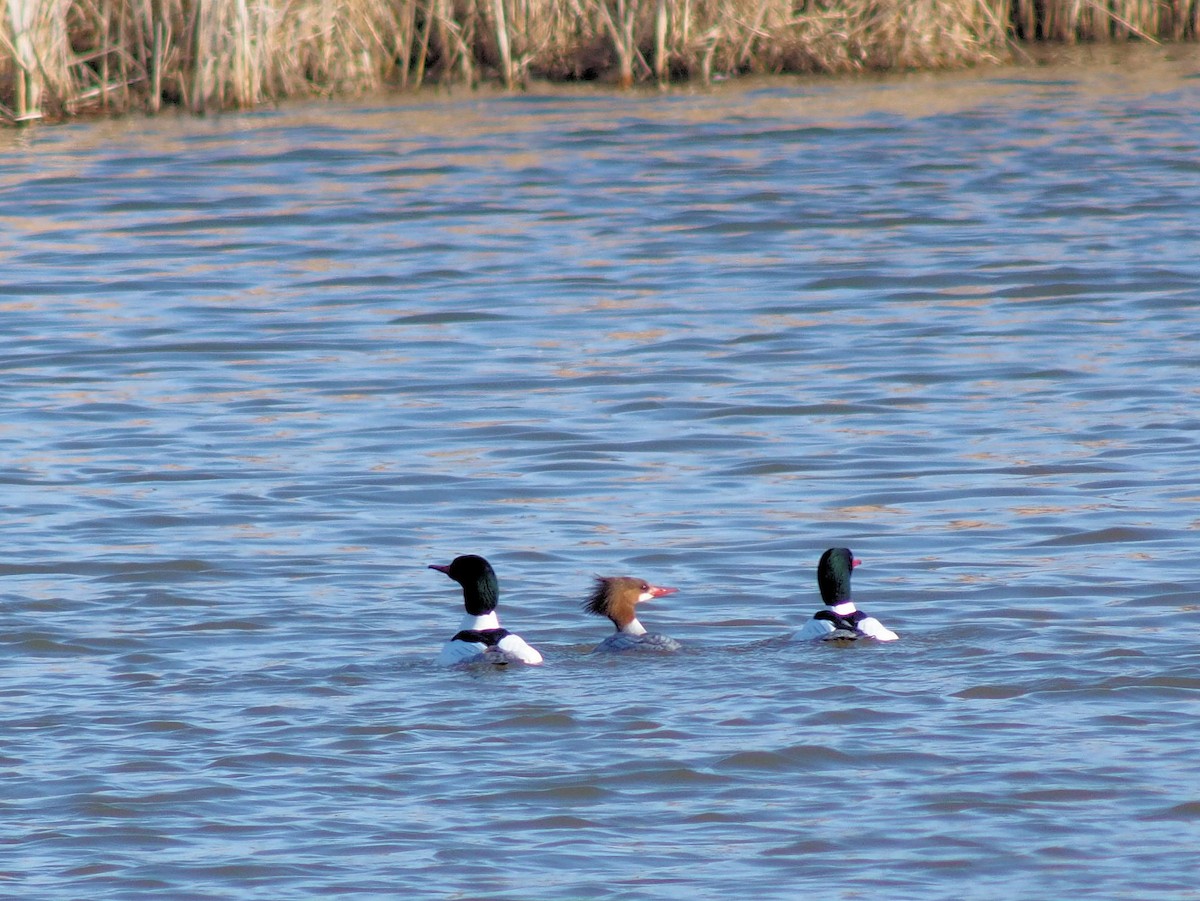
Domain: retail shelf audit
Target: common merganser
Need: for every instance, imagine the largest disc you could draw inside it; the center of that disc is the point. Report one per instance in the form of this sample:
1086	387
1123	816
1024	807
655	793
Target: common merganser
616	597
480	638
841	620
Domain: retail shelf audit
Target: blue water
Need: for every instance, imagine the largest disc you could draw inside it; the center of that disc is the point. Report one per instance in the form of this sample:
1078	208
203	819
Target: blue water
259	371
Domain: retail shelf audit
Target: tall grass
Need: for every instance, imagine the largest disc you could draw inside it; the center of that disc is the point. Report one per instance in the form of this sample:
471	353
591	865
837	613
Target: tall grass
62	57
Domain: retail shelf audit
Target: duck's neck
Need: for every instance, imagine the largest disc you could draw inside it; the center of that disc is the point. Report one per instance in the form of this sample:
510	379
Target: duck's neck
633	627
843	608
478	623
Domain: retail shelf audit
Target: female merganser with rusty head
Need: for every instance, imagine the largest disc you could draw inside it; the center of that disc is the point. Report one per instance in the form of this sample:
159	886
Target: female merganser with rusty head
841	620
480	638
616	597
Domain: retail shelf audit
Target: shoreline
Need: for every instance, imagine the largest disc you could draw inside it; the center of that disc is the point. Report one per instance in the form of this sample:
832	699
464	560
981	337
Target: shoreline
222	56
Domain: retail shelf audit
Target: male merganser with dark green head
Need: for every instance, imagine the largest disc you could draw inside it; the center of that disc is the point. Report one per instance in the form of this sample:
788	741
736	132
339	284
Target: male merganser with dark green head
841	620
616	597
480	638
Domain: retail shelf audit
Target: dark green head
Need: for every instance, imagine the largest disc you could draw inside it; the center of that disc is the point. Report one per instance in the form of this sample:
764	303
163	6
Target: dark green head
481	591
833	574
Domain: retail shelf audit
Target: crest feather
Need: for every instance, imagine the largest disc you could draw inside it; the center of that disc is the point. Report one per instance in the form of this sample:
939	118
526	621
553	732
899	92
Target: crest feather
597	603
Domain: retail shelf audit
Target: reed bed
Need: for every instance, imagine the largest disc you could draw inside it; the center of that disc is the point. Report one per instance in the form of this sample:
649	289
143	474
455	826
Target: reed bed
64	57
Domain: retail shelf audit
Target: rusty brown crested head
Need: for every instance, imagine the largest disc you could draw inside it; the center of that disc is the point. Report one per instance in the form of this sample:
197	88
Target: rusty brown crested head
617	597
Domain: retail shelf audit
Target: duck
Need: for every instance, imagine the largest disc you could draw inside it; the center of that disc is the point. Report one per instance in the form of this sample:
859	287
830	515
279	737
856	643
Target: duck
617	597
840	620
480	639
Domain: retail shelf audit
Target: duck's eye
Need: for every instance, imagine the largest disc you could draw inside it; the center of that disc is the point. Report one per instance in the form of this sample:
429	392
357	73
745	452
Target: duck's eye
644	587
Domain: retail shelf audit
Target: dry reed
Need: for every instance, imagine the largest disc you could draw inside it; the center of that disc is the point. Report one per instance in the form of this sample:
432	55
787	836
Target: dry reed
62	57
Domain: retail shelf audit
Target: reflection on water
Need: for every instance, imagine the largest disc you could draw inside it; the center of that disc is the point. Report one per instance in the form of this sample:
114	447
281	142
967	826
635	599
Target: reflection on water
261	370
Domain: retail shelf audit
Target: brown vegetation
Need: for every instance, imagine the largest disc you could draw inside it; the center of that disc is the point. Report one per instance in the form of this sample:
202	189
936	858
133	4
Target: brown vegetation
62	57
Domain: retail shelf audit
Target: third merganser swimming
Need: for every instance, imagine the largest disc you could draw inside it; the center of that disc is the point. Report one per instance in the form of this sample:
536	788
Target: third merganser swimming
480	638
616	597
841	620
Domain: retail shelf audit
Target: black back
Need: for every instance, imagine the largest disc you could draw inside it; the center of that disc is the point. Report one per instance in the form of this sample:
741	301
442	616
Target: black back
847	621
487	637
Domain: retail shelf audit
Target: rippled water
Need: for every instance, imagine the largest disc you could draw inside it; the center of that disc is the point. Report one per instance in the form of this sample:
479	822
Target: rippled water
259	371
